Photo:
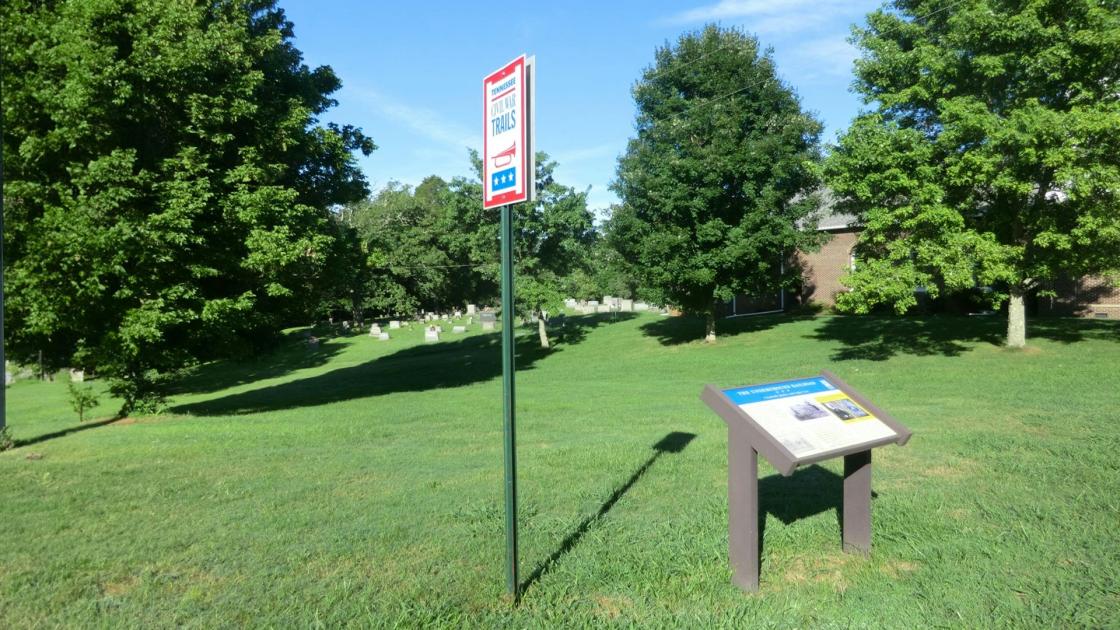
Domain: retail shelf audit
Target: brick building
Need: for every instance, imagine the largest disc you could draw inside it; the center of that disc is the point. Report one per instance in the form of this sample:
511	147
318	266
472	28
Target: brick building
821	271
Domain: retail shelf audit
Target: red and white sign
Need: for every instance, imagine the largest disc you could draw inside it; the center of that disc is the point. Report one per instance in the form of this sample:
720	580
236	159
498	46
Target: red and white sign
507	154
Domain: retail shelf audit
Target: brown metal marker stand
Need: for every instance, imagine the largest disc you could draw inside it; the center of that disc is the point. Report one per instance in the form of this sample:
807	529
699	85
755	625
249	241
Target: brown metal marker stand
742	511
746	439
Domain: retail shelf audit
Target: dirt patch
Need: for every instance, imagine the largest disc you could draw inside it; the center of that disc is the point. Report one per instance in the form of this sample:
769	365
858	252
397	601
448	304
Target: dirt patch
831	569
612	607
898	568
951	470
120	588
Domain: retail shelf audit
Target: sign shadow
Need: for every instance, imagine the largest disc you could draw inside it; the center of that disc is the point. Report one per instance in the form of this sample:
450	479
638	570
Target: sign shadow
806	493
673	442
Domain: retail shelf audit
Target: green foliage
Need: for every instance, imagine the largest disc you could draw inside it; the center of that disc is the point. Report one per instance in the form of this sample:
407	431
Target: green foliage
166	182
1001	510
82	399
6	441
993	154
436	248
717	186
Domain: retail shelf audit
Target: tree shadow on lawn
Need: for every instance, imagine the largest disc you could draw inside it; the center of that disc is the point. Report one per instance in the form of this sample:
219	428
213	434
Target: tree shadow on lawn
64	432
673	442
671	331
876	338
293	354
426	367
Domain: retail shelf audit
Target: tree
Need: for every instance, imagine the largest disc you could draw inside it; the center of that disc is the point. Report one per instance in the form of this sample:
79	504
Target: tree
552	236
992	156
404	236
716	187
167	183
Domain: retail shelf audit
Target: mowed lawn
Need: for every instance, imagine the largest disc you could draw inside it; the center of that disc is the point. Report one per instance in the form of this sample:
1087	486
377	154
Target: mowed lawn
361	484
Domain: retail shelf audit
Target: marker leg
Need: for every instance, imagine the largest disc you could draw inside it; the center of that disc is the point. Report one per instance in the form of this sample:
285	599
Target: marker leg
857	502
742	511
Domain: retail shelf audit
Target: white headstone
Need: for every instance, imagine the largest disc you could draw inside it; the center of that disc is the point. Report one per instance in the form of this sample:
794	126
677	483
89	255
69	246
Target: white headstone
603	308
374	330
394	324
458	314
593	303
77	376
459	329
431	334
570	303
383	336
488	325
626	305
641	306
471	309
439	329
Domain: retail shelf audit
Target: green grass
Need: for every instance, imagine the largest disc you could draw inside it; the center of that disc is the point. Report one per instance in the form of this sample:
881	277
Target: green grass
361	484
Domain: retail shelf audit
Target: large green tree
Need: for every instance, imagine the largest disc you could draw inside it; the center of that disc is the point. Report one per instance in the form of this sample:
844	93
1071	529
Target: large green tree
992	155
716	187
167	184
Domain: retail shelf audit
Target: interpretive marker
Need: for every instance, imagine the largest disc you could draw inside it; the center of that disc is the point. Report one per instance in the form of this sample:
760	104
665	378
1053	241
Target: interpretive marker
795	423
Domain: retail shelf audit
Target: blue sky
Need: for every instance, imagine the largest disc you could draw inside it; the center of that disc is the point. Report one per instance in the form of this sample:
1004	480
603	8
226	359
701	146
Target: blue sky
412	72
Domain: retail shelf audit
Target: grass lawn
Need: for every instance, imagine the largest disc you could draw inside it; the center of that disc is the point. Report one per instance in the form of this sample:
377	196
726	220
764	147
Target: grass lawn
361	484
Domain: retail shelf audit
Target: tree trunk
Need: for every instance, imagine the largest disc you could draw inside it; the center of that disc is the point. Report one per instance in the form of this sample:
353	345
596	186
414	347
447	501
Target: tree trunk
1016	319
710	328
543	331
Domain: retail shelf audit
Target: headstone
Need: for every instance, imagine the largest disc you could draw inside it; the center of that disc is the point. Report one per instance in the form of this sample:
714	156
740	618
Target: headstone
603	308
8	378
459	329
458	314
470	320
383	336
77	376
489	321
313	342
608	300
570	303
626	305
427	317
346	325
471	309
374	330
431	334
394	324
641	307
439	329
593	303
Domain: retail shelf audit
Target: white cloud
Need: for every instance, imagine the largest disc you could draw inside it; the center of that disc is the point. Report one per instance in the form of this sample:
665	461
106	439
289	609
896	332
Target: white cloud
764	16
828	57
425	122
574	156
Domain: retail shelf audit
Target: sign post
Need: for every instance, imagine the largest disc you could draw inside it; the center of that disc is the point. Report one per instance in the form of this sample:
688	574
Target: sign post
508	177
791	424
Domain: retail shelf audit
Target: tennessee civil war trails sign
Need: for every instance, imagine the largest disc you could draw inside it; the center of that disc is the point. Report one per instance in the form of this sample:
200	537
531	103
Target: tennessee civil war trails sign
507	138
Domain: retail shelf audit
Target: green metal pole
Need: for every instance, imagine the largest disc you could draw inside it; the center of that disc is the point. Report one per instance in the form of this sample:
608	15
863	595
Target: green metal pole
513	586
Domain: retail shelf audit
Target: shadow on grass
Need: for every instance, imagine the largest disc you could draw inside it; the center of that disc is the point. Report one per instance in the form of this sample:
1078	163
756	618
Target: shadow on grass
876	338
426	367
671	331
292	355
64	432
805	493
673	442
